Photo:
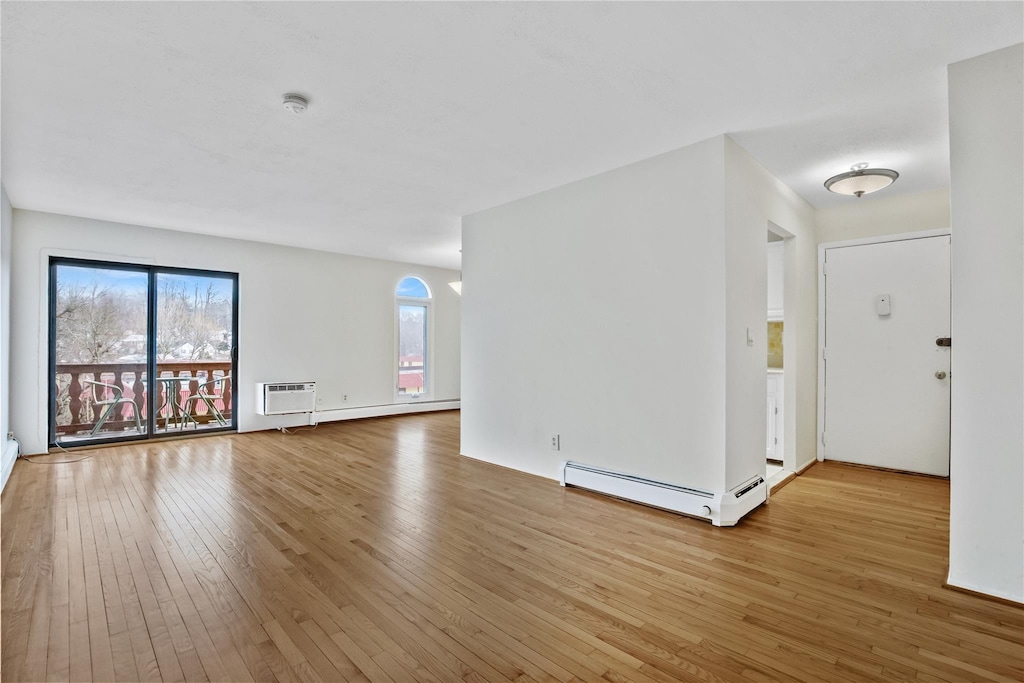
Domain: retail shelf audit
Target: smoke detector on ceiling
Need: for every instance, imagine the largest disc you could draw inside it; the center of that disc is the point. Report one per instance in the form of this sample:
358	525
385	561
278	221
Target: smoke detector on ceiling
296	104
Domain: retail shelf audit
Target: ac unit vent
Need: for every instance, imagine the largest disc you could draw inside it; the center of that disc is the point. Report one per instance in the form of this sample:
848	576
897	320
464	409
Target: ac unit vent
283	398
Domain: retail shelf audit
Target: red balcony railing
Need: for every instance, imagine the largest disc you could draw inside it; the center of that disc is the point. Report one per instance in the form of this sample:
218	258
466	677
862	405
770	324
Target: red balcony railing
77	412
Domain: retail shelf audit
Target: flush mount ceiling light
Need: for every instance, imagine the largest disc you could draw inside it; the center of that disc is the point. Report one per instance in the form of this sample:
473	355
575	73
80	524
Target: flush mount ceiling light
296	104
861	180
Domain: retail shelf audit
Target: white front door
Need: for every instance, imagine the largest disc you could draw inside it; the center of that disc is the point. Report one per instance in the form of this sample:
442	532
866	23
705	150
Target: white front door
886	377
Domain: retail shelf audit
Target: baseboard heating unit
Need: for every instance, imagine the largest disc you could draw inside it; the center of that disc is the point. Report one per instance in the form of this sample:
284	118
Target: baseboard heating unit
721	509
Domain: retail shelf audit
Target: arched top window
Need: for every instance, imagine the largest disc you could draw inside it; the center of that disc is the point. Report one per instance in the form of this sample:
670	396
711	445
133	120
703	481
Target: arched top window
413	339
412	288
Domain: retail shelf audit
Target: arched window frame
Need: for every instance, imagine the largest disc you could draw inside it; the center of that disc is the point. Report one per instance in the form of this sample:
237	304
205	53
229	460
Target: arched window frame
428	352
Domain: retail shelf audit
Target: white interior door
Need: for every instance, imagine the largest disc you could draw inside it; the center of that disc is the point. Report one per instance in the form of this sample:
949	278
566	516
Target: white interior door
886	378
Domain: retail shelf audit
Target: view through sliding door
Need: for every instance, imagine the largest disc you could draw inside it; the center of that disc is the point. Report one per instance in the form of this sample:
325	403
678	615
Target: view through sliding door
139	351
98	341
194	351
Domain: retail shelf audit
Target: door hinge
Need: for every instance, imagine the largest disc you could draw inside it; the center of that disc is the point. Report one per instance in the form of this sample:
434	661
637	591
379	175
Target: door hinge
823	354
776	441
823	438
776	411
824	267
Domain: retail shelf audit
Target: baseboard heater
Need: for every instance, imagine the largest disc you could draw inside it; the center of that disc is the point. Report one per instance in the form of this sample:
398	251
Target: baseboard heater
721	509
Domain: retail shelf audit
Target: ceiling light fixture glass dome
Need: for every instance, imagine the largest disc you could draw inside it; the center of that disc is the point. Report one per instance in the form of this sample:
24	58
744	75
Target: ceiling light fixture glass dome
861	180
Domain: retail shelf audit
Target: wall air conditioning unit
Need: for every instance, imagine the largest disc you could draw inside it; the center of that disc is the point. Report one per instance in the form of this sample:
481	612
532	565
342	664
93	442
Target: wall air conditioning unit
284	398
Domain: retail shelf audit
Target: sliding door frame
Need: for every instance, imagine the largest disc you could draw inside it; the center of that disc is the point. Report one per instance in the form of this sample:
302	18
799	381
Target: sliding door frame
151	272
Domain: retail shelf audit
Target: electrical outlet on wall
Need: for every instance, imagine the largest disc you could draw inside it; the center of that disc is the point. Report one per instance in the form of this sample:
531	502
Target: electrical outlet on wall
556	442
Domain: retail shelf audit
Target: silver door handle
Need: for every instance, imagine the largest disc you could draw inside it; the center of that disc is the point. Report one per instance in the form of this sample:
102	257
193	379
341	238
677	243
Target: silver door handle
940	375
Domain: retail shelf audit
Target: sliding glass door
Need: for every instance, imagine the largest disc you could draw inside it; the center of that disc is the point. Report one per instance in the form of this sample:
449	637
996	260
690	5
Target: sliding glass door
139	351
194	351
98	322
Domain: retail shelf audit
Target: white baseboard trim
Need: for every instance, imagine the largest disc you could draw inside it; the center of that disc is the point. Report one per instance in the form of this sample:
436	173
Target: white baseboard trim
385	410
971	587
806	466
8	455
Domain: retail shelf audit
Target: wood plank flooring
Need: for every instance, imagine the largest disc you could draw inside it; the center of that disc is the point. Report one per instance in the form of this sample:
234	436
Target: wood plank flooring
371	551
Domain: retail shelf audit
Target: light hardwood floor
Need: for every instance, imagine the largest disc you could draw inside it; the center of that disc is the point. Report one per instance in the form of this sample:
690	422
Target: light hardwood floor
371	550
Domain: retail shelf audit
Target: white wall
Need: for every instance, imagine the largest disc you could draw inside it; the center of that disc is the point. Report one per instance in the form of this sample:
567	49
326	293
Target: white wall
986	127
302	314
753	199
876	215
613	311
8	449
597	310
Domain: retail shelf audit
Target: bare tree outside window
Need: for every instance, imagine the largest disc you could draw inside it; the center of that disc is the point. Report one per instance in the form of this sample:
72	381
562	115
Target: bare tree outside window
93	321
413	324
193	320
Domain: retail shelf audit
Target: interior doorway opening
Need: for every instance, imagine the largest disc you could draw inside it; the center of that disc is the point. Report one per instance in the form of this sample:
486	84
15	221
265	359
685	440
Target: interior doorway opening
777	465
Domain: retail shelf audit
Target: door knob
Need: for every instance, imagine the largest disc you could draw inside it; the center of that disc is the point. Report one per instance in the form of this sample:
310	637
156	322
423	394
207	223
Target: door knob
940	375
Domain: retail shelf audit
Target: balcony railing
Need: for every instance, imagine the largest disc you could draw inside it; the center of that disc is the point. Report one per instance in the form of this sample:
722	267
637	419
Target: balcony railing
77	412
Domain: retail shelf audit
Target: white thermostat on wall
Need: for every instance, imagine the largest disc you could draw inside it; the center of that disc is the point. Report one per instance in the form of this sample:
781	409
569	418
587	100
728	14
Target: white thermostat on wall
883	305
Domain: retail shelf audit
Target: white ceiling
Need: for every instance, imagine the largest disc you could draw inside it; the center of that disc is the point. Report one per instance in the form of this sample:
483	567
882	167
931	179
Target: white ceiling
169	114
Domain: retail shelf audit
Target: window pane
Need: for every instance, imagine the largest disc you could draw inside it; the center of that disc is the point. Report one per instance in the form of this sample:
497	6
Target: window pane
412	287
412	349
100	347
193	351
